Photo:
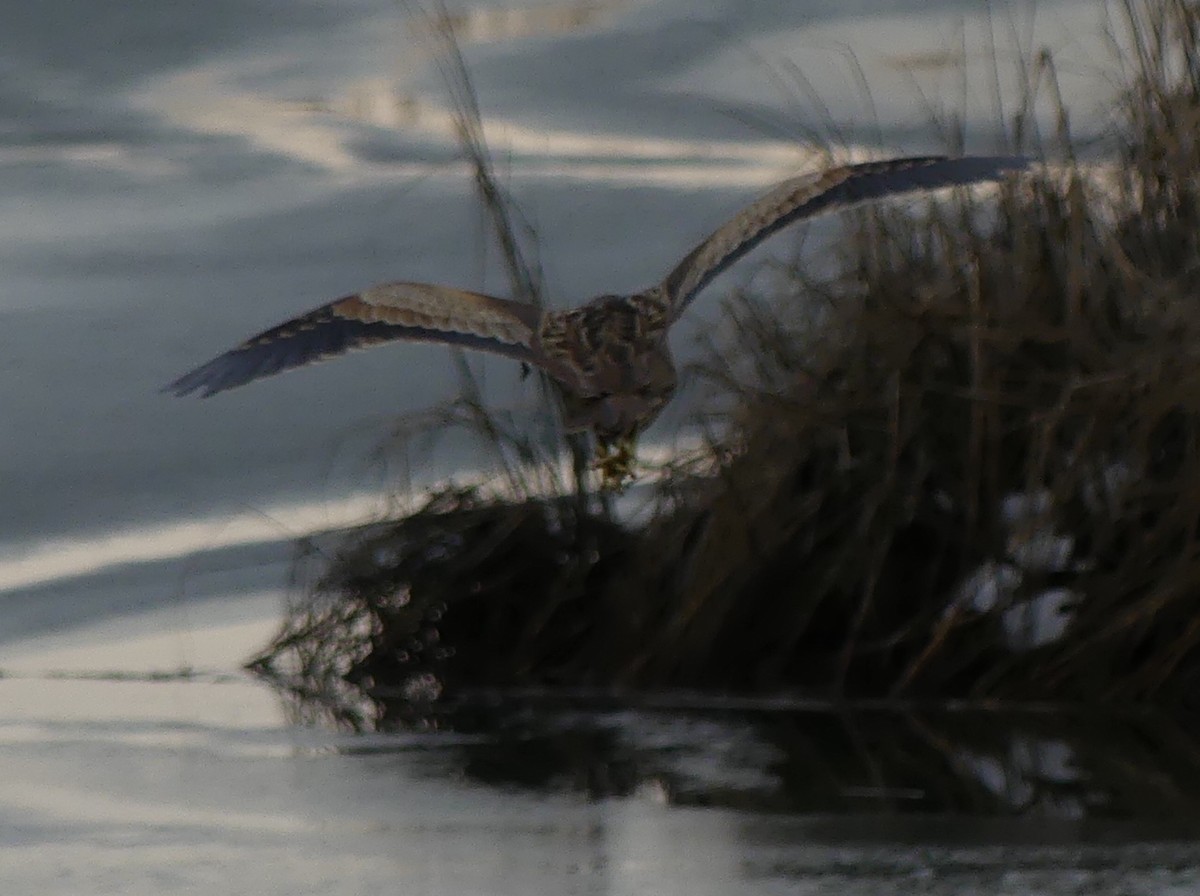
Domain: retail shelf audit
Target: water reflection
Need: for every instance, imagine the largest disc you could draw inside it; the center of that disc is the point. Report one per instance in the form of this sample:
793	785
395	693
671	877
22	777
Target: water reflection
1067	764
195	777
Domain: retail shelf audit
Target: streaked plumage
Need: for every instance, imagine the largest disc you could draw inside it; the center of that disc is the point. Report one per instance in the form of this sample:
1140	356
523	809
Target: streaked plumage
610	356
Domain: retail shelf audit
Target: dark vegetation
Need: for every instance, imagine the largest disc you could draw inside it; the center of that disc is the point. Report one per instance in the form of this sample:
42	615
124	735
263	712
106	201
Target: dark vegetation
984	422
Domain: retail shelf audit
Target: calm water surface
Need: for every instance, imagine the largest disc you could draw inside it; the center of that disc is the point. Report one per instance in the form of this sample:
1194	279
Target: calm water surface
118	777
200	786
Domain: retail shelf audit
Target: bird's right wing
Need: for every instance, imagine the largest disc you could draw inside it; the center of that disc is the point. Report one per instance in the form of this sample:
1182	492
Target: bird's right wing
407	311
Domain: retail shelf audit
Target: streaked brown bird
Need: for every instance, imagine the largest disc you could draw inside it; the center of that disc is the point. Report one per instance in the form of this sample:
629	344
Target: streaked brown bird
610	357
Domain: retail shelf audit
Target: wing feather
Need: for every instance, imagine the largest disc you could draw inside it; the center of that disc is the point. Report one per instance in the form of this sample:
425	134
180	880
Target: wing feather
814	194
417	312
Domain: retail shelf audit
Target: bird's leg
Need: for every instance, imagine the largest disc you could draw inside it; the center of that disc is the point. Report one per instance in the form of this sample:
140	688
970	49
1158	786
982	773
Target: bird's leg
615	461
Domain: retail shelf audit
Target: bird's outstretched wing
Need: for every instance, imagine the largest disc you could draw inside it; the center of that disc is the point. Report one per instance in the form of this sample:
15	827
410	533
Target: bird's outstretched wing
815	194
413	311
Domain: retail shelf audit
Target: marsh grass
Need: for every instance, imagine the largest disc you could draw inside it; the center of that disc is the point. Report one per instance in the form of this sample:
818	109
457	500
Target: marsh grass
964	465
527	449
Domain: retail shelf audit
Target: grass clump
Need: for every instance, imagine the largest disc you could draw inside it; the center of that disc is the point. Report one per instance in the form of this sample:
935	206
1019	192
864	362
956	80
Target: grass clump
965	465
464	592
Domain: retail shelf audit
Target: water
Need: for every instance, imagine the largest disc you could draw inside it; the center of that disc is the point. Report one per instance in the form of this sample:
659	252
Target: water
176	177
132	783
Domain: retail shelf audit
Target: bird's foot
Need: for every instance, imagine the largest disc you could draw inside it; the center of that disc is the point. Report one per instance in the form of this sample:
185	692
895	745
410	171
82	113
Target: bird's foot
615	462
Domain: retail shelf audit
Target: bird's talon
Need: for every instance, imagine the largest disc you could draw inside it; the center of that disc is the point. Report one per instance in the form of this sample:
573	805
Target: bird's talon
615	464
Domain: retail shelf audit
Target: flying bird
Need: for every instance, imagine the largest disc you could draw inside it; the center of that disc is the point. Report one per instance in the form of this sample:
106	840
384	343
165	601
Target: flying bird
610	356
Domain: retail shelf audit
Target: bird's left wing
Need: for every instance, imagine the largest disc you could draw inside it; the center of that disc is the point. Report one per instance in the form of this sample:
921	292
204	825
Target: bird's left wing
409	311
814	194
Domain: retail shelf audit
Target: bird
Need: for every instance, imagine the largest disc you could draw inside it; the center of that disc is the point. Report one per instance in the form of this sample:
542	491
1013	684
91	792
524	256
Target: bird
609	357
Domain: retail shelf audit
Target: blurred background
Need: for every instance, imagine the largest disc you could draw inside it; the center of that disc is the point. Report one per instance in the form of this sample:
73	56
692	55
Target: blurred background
179	177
